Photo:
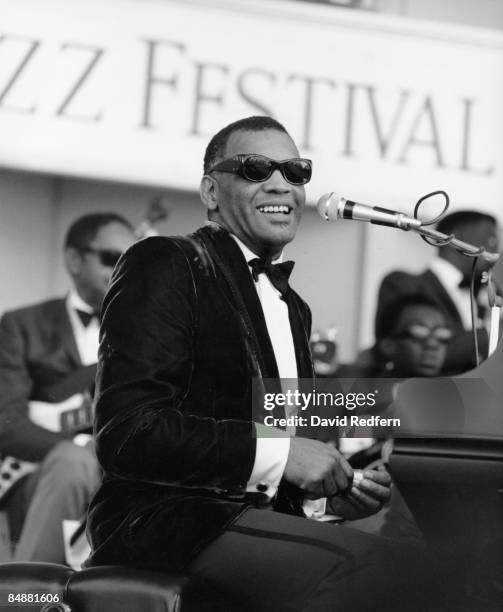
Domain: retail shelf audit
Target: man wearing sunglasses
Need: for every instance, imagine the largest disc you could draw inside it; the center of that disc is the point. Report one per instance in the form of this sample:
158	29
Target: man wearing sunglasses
191	482
48	353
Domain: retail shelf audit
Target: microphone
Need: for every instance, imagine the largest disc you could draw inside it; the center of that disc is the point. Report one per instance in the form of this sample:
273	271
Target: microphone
332	206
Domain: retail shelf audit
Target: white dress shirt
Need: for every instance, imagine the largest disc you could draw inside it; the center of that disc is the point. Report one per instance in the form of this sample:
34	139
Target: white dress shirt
272	452
86	339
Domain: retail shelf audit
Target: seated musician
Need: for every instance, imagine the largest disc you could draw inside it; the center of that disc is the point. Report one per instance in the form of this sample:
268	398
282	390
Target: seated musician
190	324
48	353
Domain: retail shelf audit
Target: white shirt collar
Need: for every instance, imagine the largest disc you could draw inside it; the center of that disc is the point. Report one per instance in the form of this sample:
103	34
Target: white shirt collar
247	253
448	274
77	303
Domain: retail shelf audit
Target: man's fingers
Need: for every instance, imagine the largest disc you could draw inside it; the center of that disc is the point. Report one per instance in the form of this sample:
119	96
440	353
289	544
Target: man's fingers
342	480
374	489
330	485
363	500
348	470
340	475
380	476
343	472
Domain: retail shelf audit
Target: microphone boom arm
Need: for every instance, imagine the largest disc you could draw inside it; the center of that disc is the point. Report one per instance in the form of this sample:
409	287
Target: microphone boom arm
464	247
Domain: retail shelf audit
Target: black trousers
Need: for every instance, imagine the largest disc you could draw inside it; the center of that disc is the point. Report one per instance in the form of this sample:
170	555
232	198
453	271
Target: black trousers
271	561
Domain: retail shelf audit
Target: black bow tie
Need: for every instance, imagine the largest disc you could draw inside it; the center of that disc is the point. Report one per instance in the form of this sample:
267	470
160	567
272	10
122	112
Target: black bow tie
278	274
87	317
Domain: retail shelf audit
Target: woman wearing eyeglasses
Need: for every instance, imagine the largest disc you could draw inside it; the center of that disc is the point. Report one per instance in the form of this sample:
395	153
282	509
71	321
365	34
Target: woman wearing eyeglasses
411	341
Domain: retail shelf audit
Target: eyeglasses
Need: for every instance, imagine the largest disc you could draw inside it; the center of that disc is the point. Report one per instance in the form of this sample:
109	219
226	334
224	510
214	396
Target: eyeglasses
422	333
107	257
258	168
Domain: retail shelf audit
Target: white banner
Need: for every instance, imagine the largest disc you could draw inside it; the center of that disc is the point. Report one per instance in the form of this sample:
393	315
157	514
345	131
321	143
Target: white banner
131	90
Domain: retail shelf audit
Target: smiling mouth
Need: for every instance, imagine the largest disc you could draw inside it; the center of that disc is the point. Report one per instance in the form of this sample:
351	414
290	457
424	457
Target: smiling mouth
271	209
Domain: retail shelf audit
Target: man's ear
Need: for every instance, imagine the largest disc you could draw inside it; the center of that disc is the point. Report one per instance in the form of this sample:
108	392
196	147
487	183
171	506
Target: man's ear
73	261
209	192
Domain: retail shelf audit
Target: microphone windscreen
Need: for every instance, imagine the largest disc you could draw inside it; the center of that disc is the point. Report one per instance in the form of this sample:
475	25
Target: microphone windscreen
328	206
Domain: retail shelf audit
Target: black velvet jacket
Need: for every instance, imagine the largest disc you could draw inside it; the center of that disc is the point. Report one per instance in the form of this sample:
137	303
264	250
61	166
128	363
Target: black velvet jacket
183	337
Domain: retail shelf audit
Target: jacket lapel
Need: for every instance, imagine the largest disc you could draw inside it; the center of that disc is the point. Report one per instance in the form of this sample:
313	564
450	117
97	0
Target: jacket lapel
289	498
300	330
229	255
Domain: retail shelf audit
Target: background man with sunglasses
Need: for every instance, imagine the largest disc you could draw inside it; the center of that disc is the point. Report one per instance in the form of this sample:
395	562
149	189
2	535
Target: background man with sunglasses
446	281
191	482
48	352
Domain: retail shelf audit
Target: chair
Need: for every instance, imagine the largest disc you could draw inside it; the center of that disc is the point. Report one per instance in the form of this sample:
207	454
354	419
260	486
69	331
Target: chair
110	588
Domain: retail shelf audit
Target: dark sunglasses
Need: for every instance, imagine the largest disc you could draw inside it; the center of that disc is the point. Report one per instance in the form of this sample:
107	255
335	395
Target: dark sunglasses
422	333
258	168
107	257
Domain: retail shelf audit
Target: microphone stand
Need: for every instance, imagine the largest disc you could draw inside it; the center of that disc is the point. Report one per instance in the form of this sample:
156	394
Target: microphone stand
464	247
495	306
331	207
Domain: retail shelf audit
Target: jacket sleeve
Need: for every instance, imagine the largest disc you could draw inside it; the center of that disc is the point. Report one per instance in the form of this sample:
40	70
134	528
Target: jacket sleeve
147	427
19	437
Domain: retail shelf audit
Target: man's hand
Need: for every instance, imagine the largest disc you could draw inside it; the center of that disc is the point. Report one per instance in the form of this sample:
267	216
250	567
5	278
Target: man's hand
317	468
364	498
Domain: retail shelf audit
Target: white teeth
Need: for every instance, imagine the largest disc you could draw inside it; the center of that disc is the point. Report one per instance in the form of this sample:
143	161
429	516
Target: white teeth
274	209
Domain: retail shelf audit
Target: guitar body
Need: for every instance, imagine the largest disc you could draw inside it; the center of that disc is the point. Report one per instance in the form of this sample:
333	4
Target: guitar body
73	415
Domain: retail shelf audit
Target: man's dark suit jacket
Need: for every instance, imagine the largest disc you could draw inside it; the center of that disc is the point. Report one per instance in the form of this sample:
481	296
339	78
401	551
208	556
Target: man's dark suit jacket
37	351
460	351
183	336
